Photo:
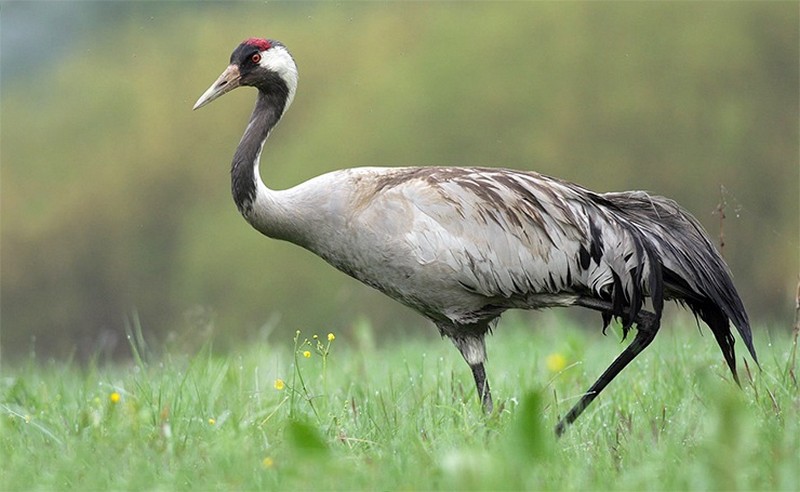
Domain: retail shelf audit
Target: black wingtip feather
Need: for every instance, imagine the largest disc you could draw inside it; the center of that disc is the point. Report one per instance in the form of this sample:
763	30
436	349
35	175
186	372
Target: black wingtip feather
719	324
684	266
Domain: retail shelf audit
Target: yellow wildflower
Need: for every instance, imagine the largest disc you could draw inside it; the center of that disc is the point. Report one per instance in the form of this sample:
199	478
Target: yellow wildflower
211	421
267	462
114	397
279	384
315	336
555	362
307	354
331	337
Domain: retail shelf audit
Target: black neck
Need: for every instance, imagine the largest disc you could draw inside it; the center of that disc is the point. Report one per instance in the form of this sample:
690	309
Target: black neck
266	114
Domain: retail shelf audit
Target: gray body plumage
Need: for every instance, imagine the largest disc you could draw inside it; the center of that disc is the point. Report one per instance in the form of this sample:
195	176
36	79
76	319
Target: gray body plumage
462	245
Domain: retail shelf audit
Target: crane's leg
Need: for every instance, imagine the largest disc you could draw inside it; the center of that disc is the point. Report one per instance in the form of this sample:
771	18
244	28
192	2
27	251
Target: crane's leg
472	346
482	384
646	328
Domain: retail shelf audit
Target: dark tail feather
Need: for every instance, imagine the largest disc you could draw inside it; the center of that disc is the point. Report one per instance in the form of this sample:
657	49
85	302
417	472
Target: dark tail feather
692	270
707	289
720	327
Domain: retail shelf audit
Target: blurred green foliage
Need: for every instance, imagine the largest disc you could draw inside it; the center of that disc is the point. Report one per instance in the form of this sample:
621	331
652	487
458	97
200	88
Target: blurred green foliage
115	195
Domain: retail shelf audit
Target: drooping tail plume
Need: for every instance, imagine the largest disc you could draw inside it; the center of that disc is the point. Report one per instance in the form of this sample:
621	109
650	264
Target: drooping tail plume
693	271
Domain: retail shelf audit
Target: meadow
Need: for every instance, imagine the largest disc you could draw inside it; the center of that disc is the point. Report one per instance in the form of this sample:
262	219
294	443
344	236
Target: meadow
328	411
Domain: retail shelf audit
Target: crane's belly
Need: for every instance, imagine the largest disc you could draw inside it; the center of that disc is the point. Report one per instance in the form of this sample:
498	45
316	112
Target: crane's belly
429	288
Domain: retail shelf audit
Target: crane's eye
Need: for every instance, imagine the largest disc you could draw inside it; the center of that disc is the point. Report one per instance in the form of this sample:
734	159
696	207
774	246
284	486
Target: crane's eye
256	57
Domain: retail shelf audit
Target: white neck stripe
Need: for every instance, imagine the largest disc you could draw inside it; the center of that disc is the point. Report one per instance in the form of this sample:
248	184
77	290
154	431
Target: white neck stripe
278	59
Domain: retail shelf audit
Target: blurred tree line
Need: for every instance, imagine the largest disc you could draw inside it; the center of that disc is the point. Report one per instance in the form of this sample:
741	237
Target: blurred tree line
115	195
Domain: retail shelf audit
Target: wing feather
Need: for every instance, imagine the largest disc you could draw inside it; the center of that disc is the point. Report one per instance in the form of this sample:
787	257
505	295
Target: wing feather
515	234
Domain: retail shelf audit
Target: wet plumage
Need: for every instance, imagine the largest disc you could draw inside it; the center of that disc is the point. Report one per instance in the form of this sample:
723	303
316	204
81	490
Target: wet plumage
463	245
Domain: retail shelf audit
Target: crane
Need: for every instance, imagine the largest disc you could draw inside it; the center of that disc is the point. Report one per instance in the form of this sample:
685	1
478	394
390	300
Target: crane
462	245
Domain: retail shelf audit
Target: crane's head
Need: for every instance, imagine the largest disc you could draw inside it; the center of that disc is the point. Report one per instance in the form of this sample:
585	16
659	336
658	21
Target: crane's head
262	63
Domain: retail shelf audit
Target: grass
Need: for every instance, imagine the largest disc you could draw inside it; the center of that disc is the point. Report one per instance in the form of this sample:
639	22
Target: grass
347	415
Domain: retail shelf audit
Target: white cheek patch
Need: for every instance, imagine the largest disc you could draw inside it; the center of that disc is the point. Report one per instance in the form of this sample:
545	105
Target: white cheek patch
281	62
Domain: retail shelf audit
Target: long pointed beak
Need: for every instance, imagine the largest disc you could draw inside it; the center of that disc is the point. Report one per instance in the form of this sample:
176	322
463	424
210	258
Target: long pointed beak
228	81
